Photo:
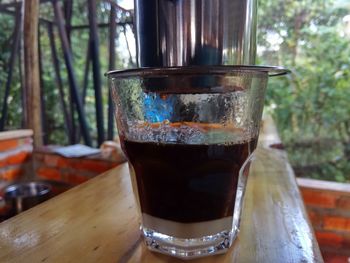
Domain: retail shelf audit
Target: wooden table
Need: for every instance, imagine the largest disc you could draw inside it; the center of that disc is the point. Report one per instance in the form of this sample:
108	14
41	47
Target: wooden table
97	221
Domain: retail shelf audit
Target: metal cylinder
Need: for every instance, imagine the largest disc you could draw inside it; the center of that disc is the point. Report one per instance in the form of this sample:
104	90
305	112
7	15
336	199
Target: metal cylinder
195	32
25	195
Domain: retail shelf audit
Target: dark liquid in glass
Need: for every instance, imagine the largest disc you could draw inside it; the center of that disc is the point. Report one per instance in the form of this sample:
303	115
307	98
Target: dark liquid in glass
186	182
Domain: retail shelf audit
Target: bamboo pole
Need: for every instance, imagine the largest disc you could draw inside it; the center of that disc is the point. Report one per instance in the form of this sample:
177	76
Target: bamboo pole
67	7
86	76
31	66
86	71
112	57
14	50
96	70
68	12
22	72
71	74
58	78
101	25
13	13
44	123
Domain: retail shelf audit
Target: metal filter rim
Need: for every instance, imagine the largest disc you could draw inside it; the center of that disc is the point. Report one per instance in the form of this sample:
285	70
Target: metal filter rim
198	70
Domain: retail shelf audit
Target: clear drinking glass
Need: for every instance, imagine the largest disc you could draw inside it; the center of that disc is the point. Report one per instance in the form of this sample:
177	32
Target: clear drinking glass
189	134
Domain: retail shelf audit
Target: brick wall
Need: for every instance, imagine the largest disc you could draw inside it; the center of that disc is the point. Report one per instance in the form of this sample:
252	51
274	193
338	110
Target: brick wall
51	166
15	155
328	206
19	162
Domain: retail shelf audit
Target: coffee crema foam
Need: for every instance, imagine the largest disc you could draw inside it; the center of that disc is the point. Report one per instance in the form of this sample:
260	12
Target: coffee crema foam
189	133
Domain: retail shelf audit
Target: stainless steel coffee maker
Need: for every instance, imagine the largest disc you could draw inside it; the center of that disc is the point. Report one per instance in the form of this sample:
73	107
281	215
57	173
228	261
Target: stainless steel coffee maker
195	32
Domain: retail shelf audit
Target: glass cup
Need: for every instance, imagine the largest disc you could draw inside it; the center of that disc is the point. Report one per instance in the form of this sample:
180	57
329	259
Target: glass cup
189	134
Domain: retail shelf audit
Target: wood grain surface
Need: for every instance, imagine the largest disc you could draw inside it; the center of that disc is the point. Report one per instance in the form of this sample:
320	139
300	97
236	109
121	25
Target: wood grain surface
98	221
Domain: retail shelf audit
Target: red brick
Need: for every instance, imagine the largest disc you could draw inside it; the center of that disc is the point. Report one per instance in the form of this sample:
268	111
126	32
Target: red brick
336	223
346	242
51	159
344	202
11	173
3	163
76	179
321	199
56	161
334	258
38	156
8	145
49	173
63	162
93	165
18	158
329	239
315	218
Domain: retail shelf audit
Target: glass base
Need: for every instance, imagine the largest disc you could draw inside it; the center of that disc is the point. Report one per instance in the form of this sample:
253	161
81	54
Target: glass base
189	248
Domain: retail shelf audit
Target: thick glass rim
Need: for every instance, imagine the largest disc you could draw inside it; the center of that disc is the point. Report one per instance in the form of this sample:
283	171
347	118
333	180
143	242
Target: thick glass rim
200	70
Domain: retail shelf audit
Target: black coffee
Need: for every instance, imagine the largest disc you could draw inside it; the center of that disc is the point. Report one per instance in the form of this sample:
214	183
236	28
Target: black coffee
185	182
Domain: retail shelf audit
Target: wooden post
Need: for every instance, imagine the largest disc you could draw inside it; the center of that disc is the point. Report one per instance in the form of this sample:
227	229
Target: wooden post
112	37
96	70
31	68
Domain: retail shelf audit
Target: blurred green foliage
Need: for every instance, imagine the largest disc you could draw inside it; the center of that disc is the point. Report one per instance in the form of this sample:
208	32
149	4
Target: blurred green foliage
53	118
311	106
